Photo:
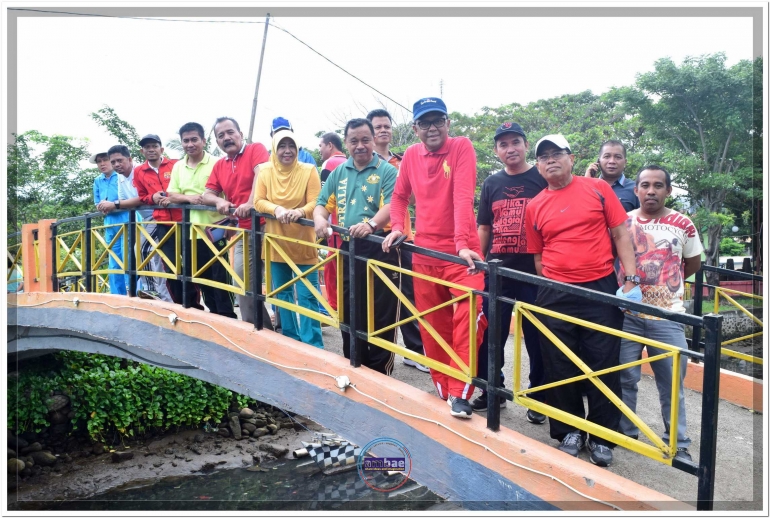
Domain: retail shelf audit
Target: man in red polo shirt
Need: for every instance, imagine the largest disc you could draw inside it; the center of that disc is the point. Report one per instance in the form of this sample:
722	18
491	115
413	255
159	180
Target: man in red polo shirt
441	172
567	230
151	181
234	175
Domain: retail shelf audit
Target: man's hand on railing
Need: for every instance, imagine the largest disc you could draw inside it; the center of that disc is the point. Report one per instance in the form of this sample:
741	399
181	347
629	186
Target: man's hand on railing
360	230
105	207
243	211
634	294
322	228
390	239
223	206
468	255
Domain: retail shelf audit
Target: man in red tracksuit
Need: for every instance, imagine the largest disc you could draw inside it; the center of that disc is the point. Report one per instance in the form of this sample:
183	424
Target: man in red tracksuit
151	181
441	172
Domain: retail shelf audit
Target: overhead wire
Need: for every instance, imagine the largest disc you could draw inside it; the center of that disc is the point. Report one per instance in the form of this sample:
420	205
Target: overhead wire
145	18
342	382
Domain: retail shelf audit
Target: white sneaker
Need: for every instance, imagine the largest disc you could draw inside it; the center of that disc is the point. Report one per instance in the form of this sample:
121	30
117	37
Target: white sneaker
418	366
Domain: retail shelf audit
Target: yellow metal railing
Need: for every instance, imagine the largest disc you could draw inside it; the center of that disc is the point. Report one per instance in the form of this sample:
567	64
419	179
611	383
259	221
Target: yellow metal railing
70	256
155	249
659	450
272	242
722	293
14	254
199	232
98	259
465	372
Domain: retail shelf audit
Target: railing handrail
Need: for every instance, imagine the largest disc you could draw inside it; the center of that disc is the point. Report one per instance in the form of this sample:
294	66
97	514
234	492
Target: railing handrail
596	296
727	271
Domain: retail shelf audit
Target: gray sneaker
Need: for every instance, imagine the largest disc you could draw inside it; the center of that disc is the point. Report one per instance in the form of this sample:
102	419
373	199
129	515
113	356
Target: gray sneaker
572	443
601	455
682	453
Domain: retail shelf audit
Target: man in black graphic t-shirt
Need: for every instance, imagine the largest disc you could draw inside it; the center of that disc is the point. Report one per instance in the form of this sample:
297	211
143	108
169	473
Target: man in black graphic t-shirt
504	198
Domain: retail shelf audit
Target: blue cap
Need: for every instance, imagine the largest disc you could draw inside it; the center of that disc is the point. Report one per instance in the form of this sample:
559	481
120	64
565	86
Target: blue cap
427	105
280	123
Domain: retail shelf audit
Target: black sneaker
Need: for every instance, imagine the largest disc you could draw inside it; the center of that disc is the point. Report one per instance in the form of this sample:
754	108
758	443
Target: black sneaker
601	455
682	453
572	443
480	403
535	417
459	407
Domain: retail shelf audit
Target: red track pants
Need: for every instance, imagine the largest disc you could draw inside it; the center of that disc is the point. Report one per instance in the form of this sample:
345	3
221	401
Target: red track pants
428	295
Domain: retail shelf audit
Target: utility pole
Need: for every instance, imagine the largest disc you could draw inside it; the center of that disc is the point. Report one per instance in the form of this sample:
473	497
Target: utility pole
259	75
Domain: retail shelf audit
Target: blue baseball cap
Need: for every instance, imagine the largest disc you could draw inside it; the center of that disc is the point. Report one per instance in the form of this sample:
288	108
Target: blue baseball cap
427	105
280	123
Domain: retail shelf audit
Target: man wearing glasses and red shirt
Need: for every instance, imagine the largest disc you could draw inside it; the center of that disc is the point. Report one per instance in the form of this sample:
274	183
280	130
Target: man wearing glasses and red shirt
441	172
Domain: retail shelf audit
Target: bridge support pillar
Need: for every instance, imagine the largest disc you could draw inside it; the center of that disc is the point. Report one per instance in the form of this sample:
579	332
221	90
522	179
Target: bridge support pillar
38	266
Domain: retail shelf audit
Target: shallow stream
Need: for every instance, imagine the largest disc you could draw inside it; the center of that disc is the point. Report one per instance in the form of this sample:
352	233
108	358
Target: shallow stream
286	485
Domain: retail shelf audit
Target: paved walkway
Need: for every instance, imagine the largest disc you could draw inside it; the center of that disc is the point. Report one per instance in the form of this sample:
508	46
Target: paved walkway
739	446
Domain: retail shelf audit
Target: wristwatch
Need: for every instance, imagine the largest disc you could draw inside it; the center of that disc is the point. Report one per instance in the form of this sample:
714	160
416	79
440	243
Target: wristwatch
633	278
372	224
117	204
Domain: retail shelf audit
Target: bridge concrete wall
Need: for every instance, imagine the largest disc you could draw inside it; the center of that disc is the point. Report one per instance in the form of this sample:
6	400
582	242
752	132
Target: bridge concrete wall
449	465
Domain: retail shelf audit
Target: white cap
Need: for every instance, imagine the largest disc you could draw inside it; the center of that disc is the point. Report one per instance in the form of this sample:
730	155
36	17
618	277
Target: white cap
93	157
557	140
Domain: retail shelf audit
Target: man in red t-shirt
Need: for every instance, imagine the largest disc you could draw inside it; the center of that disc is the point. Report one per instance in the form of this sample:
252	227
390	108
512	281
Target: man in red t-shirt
441	172
235	176
567	230
151	181
330	147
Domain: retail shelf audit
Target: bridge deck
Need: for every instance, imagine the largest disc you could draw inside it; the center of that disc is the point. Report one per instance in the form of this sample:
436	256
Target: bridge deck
739	451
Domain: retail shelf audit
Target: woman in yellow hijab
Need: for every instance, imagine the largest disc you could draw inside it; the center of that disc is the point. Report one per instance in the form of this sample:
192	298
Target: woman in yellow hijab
289	189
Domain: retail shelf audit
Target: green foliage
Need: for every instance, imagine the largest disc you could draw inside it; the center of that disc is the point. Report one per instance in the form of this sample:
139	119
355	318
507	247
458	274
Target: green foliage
120	129
45	180
113	394
27	395
730	247
701	116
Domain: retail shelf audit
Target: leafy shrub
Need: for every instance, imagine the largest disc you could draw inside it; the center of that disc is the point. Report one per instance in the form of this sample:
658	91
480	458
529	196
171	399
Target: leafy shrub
114	394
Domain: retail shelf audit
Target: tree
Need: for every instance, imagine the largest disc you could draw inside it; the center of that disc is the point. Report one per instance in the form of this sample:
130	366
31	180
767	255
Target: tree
729	246
124	132
45	180
585	119
700	116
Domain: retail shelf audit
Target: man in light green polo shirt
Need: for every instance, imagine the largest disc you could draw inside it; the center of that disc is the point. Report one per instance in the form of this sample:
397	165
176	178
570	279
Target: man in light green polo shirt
187	185
360	188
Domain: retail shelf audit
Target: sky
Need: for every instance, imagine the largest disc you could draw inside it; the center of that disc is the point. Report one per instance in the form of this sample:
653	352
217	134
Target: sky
158	75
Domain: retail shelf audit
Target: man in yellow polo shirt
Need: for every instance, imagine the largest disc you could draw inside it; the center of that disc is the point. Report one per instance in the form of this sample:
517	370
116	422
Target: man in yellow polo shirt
187	185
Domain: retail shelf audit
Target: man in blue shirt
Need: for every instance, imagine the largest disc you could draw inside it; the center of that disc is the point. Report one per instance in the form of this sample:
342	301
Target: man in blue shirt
106	189
610	167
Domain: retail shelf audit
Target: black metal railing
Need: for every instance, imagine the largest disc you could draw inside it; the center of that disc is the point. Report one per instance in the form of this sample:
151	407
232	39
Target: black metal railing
711	324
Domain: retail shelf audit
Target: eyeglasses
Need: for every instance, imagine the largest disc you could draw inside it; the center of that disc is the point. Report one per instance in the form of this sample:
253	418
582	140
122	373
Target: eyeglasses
555	155
424	125
354	142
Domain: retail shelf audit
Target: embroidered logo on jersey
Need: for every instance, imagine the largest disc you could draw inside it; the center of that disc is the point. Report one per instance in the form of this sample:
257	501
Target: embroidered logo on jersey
513	192
373	178
167	175
447	170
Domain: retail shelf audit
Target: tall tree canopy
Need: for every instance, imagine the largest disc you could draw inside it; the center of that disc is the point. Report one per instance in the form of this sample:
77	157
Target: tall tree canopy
700	118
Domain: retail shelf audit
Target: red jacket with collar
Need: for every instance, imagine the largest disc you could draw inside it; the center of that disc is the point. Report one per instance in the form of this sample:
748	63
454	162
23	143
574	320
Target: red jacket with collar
148	182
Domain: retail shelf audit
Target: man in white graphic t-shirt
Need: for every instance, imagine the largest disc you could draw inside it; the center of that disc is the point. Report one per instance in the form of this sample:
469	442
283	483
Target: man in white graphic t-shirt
667	250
